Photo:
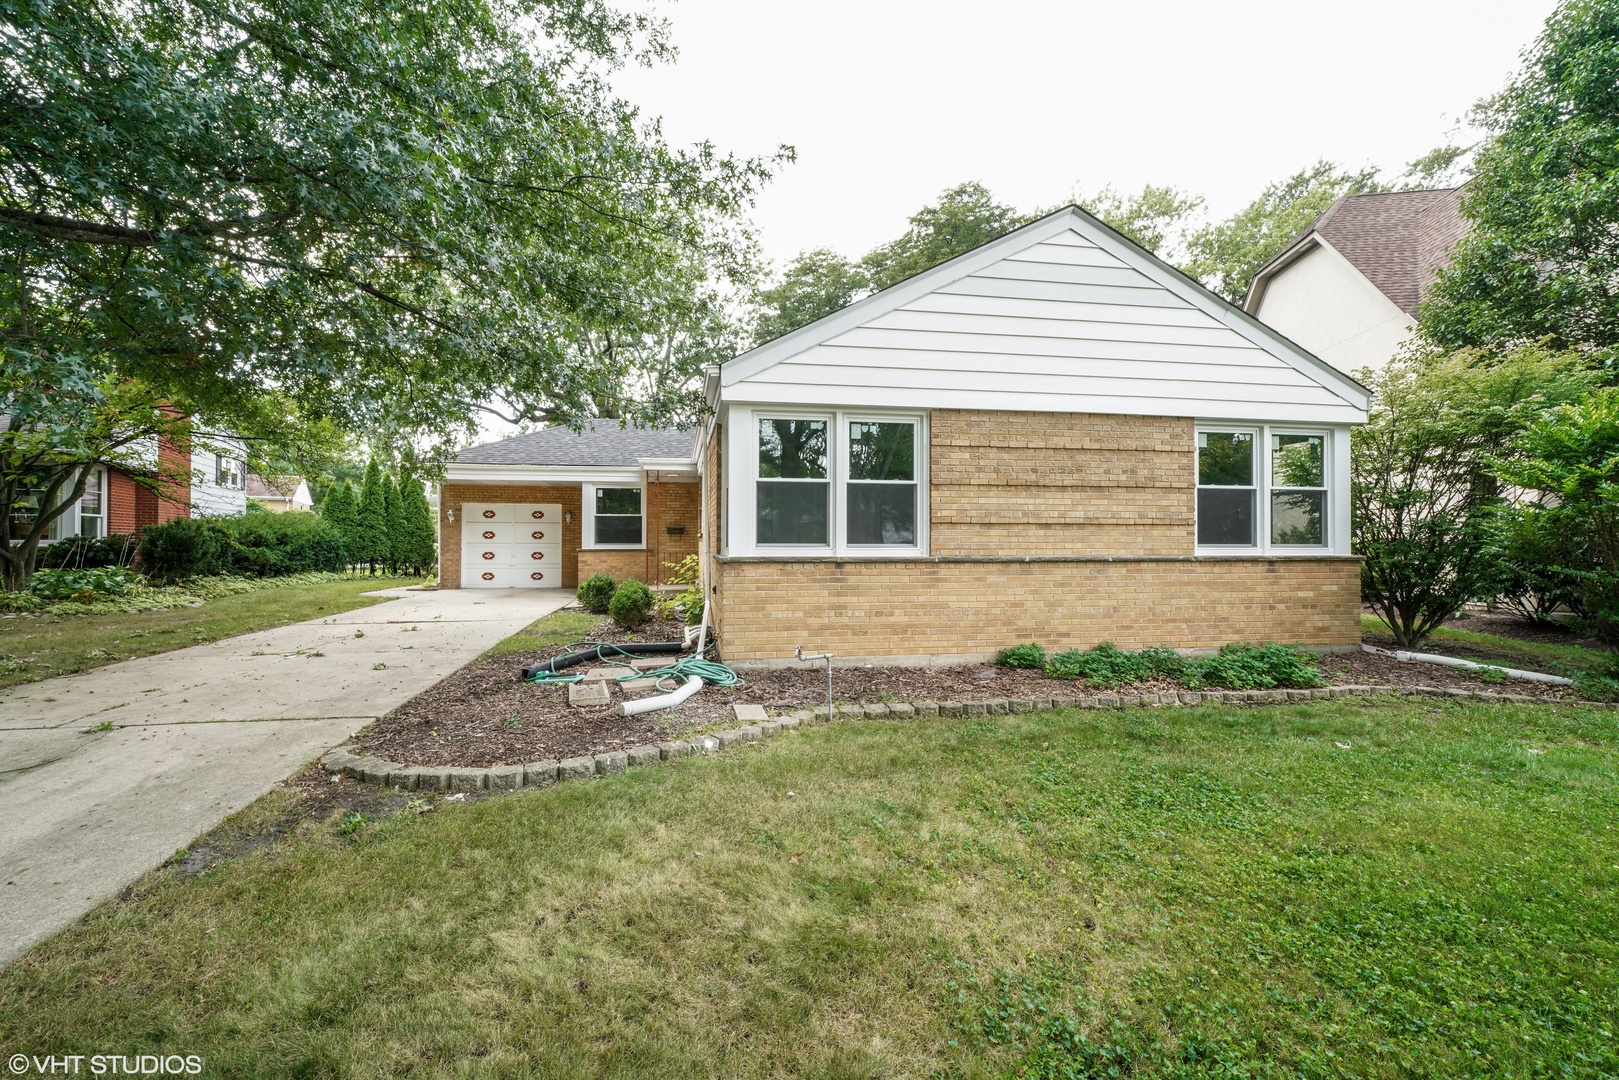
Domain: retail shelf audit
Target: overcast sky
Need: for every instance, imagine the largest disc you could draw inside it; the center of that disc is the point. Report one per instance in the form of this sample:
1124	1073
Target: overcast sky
889	103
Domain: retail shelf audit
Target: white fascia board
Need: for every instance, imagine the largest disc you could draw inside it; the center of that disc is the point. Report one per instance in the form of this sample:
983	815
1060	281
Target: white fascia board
683	466
1256	289
864	397
895	296
1296	356
470	473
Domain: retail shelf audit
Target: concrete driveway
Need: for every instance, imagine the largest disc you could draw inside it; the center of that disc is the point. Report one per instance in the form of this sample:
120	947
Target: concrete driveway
106	774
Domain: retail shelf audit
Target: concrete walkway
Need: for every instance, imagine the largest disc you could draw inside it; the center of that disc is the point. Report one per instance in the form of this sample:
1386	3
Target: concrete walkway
106	774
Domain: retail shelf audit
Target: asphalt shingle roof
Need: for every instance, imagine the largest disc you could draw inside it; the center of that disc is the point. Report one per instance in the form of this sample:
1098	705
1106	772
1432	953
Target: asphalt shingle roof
606	444
1398	239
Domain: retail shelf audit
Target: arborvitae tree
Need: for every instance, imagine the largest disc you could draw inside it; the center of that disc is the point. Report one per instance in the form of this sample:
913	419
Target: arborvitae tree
342	509
420	551
371	526
398	528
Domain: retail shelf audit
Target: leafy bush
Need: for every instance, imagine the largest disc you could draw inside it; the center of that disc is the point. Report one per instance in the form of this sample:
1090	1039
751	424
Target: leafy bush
84	585
182	548
1107	666
83	552
596	592
273	545
1538	547
688	603
1257	667
631	604
1023	656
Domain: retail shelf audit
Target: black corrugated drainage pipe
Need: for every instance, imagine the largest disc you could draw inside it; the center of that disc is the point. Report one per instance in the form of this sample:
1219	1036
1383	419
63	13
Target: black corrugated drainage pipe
597	652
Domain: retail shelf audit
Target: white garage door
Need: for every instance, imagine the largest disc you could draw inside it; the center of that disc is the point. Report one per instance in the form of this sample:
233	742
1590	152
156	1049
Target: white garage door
511	546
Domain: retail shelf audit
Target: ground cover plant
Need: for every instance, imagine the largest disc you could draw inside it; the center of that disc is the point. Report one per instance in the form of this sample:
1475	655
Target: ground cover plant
1238	666
1361	887
68	636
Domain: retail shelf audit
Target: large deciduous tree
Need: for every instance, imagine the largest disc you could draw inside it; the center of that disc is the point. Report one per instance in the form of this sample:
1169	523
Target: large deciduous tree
1541	261
393	214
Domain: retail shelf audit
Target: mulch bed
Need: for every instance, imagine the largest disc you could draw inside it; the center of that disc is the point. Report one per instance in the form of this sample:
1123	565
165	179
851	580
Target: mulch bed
483	715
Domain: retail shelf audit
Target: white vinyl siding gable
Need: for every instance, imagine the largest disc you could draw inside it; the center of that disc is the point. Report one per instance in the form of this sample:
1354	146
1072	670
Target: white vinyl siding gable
1058	323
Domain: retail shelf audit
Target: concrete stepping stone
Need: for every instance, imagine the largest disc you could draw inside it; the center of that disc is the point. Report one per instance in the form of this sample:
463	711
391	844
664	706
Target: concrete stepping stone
749	713
590	692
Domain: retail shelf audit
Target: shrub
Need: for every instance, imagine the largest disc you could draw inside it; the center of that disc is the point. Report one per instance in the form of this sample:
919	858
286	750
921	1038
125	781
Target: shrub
1107	666
688	603
271	545
631	604
596	592
182	548
1023	656
83	552
1258	667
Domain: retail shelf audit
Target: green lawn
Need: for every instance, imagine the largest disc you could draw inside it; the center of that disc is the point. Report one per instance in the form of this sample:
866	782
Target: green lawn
1362	887
557	628
38	647
1534	655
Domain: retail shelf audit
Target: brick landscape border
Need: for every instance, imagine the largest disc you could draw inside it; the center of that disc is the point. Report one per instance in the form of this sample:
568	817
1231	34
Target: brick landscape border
535	774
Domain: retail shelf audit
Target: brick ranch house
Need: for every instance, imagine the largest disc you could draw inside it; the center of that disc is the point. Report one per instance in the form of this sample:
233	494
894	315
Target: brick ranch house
1055	437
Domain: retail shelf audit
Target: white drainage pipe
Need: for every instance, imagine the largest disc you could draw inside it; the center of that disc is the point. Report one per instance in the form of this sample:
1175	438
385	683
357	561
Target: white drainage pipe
1451	661
663	701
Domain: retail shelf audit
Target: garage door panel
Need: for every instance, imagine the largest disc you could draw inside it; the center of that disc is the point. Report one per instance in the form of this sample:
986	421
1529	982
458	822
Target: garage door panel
487	512
511	545
486	578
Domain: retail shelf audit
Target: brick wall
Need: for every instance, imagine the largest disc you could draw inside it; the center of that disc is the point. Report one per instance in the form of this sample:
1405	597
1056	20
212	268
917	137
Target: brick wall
1024	483
451	496
678	504
972	607
174	481
619	564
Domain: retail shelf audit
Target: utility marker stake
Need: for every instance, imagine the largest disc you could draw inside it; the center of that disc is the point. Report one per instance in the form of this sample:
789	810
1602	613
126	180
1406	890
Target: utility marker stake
799	652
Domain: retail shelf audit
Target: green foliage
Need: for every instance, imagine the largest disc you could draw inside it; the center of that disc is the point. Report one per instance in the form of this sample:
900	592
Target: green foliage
631	604
1226	255
273	545
1022	656
816	283
341	508
1108	667
1571	456
88	552
371	519
182	548
1540	259
85	585
965	217
1425	492
370	209
688	603
1539	548
416	545
1257	667
393	510
1156	217
596	592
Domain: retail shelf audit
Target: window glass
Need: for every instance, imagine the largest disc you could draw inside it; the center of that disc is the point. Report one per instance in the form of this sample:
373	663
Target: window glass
1296	461
1225	516
790	513
1225	458
882	514
882	451
90	506
1296	517
618	516
792	449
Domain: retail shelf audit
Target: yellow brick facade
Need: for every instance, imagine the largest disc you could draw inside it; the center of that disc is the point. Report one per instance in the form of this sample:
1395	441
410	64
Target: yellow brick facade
1066	529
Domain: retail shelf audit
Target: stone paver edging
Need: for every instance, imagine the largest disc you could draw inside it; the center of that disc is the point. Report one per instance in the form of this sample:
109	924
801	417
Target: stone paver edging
453	778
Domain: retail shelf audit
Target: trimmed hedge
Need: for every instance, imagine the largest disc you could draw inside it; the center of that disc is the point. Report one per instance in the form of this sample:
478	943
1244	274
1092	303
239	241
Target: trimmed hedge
254	545
631	604
596	592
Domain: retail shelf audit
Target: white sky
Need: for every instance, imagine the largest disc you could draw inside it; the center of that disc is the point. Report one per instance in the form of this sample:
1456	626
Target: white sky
889	103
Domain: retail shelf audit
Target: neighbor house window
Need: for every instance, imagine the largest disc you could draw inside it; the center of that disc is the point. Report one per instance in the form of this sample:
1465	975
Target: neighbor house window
1227	496
1298	490
794	491
93	505
617	517
881	489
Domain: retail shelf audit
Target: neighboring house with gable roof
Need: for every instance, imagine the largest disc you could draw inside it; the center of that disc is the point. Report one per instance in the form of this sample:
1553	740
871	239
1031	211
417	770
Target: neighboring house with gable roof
1348	287
1055	437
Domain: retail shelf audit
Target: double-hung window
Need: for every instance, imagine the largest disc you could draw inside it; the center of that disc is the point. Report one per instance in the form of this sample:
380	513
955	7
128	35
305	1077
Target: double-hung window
93	504
1263	489
616	520
794	492
842	481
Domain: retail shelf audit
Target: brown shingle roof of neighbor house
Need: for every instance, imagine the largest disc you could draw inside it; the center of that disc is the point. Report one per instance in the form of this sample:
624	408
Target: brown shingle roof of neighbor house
602	444
1398	239
283	487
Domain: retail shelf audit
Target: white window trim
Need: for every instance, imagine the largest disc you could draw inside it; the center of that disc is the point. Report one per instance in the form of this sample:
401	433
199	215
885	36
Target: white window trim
742	463
100	471
1335	467
588	503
